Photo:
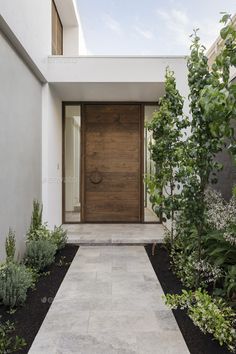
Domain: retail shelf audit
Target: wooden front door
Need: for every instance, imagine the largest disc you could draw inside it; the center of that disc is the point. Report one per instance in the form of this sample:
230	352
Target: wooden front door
112	163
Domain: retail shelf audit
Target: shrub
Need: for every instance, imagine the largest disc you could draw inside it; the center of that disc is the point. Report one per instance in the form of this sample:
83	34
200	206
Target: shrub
37	230
219	251
40	253
59	237
211	315
10	245
230	283
15	279
8	342
39	233
184	267
220	215
36	219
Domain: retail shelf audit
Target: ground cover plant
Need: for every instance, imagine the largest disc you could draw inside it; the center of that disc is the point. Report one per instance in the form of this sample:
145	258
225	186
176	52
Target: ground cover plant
8	342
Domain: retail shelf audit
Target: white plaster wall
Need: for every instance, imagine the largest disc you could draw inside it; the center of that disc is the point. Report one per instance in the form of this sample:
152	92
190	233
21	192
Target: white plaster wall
82	42
73	41
70	41
31	23
52	157
114	69
20	145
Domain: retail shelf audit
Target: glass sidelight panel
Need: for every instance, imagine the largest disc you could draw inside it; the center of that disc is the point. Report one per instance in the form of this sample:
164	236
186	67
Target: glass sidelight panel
72	146
149	165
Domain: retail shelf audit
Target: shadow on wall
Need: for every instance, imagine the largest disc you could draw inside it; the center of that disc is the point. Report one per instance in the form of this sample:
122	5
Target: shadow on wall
226	177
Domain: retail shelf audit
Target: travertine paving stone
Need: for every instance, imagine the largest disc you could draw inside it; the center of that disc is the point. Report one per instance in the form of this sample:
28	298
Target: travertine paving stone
118	234
110	302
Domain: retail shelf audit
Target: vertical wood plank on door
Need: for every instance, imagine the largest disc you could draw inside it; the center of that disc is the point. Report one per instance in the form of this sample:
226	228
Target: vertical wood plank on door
112	163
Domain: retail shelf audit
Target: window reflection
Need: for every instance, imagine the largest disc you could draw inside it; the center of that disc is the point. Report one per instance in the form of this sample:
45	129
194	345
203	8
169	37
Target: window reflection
149	165
72	163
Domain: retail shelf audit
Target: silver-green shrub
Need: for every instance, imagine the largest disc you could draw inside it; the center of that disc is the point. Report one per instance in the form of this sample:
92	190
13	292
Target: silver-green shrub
15	280
10	245
40	232
40	253
59	237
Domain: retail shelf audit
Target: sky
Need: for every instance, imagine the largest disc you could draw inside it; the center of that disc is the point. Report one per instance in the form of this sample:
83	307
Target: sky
149	27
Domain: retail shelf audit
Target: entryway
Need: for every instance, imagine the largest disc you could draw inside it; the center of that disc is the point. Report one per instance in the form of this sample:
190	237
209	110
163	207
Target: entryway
105	159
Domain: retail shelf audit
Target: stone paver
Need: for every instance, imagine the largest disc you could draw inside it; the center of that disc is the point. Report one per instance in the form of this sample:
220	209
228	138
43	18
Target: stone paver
110	302
121	234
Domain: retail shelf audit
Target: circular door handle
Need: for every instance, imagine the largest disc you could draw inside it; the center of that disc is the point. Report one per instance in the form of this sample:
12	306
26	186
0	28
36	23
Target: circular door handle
95	177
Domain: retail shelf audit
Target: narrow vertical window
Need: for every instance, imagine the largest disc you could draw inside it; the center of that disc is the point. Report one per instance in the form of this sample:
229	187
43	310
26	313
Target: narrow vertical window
72	146
149	166
57	32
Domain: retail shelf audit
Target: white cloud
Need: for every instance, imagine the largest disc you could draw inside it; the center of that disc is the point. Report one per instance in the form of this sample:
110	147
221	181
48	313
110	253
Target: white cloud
180	26
144	32
112	24
177	23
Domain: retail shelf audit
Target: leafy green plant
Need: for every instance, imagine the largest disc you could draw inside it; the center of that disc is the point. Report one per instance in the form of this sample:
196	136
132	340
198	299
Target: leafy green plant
230	283
40	253
15	280
8	342
218	98
184	268
167	128
211	315
202	147
218	250
10	245
59	237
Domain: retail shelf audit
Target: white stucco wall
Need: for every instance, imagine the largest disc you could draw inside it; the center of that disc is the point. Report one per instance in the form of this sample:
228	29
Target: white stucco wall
20	145
30	21
114	69
70	41
51	157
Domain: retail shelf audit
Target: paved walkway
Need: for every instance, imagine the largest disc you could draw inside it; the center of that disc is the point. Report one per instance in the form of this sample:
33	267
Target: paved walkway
111	234
110	302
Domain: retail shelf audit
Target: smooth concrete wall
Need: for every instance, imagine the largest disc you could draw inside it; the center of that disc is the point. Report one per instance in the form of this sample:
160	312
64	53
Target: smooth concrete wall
52	157
20	144
30	21
124	69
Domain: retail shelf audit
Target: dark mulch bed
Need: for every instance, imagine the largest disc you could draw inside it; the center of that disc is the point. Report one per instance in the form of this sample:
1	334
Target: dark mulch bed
197	342
29	318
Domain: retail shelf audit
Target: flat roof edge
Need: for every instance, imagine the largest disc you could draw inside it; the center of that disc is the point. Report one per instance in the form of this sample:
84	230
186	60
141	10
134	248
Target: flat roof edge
119	57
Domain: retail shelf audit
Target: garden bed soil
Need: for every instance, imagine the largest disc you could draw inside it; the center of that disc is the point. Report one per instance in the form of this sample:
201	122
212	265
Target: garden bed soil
197	342
28	318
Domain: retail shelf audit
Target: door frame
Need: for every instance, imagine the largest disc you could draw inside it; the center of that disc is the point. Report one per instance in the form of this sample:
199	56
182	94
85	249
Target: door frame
82	157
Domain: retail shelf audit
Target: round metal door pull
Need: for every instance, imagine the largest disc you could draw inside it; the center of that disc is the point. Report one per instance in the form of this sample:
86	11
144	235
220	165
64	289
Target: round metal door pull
95	177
